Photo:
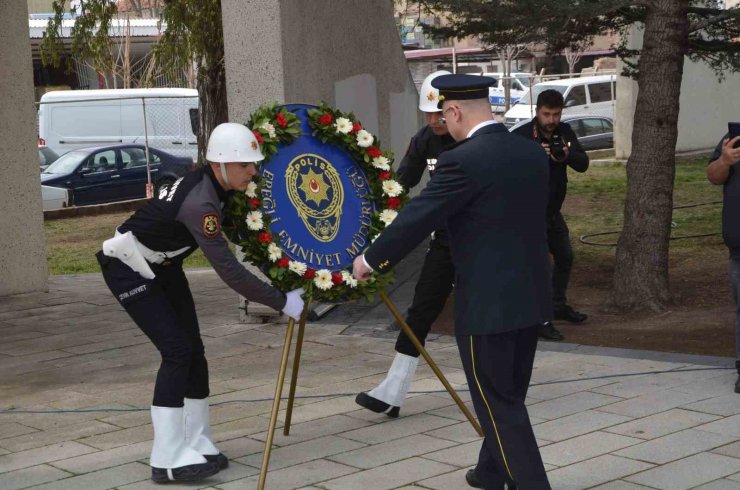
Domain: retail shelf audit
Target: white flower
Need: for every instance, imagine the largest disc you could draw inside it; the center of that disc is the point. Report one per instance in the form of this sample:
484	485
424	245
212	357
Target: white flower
388	215
297	267
349	280
251	190
274	252
269	128
323	279
381	163
364	139
343	125
391	188
254	220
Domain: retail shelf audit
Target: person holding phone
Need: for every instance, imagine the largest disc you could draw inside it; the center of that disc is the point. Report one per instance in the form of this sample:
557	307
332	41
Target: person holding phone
722	169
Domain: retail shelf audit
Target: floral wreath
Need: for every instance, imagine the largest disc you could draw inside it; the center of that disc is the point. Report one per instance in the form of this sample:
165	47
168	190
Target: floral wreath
249	228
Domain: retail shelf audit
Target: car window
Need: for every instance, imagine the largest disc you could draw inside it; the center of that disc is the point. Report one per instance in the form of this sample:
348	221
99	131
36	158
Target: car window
577	127
600	92
133	157
66	163
607	125
102	161
42	158
592	126
577	94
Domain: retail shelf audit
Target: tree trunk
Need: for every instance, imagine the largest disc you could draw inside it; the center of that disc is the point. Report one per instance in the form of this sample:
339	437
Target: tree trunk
214	108
641	271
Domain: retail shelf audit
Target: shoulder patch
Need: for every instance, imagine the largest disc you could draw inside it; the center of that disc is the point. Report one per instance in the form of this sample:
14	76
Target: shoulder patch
211	225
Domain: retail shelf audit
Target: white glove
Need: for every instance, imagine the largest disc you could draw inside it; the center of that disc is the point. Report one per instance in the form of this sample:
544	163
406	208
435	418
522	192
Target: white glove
294	305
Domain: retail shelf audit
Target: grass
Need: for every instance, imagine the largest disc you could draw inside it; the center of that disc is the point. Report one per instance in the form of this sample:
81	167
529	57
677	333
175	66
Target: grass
594	204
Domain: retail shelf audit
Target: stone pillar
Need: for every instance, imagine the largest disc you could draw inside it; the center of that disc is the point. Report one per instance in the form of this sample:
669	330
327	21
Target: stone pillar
344	52
22	243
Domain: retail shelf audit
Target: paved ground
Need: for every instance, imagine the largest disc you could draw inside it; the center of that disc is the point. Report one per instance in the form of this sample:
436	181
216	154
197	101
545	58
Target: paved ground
605	418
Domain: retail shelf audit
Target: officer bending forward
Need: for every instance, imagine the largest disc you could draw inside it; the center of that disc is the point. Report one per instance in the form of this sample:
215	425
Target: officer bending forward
142	266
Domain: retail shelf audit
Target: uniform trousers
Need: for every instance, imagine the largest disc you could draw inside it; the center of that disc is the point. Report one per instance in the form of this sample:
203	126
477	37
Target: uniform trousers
164	310
735	281
430	295
558	241
498	368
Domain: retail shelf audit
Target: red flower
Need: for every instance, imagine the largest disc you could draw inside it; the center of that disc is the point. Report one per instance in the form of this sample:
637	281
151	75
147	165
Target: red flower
325	119
374	152
283	263
264	237
281	121
254	202
356	127
259	137
337	279
309	274
393	203
384	175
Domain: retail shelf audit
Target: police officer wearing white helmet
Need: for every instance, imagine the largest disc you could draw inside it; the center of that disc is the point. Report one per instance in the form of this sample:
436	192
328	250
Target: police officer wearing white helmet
437	274
142	266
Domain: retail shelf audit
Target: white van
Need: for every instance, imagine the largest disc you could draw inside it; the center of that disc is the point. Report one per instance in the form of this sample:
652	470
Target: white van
496	94
70	119
585	95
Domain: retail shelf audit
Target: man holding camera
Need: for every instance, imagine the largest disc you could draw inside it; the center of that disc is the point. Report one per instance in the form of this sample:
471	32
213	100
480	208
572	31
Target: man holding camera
722	171
562	147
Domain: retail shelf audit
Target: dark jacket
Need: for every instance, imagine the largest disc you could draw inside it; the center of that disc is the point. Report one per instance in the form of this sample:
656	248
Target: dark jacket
490	191
188	213
422	154
577	160
730	206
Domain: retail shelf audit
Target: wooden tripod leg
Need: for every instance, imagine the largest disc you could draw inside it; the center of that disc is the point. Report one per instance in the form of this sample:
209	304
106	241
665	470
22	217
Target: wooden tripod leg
410	334
276	404
294	374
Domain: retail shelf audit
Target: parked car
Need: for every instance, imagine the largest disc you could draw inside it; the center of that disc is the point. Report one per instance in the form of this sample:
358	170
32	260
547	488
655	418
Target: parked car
583	95
112	173
594	132
47	156
54	197
519	83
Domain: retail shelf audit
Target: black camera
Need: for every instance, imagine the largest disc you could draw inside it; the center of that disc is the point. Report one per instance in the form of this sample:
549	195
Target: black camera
557	147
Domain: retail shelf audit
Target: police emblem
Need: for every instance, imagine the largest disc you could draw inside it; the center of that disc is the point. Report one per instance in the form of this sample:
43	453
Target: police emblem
431	96
254	145
211	225
316	191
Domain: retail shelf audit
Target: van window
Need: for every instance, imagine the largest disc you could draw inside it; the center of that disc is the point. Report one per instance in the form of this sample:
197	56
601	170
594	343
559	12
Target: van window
577	95
600	92
194	120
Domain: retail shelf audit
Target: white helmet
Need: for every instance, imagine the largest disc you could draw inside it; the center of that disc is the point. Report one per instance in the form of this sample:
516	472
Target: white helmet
428	95
232	142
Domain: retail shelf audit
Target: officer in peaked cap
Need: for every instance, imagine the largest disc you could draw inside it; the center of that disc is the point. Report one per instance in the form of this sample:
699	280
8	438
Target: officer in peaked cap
490	191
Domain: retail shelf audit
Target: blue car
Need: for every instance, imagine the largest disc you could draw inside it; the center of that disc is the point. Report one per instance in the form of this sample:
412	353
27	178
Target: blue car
105	174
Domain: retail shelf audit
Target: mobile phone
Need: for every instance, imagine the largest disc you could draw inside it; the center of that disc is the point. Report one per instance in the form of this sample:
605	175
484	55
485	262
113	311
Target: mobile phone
733	130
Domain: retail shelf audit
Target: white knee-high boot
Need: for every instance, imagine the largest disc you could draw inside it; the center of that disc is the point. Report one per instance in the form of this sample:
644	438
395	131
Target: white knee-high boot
170	450
198	427
393	389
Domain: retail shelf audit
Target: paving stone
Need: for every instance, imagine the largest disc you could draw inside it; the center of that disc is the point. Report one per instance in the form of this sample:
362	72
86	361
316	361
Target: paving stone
33	457
447	481
620	485
461	432
675	446
14	429
723	484
584	447
302	452
557	390
729	425
294	476
462	455
102	480
570	404
576	425
304	431
28	477
594	472
48	437
397	428
120	437
688	472
387	452
391	475
105	459
234	472
732	450
651	403
661	424
722	405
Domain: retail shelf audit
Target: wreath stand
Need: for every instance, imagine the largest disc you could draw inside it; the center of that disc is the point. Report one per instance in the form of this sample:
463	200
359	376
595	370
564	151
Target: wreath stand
294	378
